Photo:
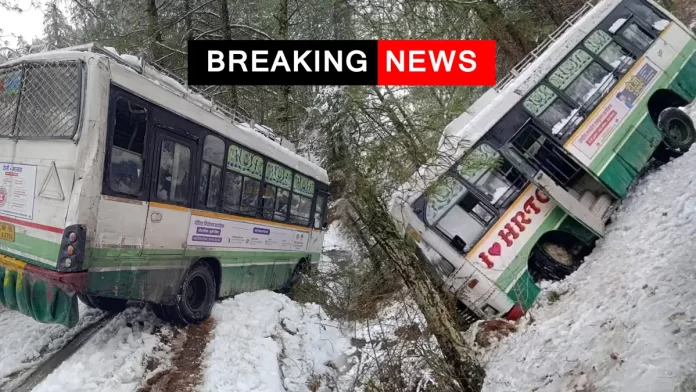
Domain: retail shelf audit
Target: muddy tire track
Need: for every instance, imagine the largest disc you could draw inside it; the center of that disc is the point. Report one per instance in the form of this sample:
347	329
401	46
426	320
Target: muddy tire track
183	372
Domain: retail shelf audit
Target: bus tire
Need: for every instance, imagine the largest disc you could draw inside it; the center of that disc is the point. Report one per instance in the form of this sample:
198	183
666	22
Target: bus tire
552	260
115	305
196	296
678	129
160	311
85	300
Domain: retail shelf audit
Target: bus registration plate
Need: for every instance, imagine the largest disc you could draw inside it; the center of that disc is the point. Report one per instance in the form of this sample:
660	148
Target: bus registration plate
7	232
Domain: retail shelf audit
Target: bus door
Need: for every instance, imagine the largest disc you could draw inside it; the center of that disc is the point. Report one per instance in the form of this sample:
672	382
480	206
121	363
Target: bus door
549	166
171	194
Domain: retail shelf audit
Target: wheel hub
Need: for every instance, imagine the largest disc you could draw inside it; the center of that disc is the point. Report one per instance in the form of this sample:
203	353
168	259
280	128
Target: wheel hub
195	293
678	130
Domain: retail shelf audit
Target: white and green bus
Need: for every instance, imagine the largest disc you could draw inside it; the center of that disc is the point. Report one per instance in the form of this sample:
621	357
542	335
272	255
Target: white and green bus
562	137
118	183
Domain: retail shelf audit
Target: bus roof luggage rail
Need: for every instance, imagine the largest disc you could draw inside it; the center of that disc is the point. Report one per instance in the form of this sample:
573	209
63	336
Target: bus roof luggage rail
534	54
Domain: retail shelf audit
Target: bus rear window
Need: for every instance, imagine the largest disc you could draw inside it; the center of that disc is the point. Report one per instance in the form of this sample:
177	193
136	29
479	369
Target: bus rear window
41	100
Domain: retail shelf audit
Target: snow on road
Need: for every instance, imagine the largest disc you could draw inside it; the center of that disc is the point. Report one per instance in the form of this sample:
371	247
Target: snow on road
265	342
24	342
626	320
113	360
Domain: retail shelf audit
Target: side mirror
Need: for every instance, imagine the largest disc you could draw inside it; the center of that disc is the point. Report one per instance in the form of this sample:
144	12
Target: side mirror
325	225
458	243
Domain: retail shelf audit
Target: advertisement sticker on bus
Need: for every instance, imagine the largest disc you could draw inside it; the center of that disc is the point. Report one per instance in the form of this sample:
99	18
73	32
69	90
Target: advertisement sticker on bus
222	233
599	129
17	190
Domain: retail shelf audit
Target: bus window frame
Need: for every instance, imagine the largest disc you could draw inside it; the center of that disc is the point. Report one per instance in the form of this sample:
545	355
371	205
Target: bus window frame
479	194
278	188
179	127
433	225
582	110
258	212
144	195
163	132
202	161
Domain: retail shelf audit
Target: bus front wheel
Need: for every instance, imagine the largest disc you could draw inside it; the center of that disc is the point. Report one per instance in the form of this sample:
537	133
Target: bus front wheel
552	260
195	299
678	129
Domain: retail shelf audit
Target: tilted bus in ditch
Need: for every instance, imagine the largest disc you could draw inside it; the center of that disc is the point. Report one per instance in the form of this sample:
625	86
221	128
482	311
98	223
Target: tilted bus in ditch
119	184
528	177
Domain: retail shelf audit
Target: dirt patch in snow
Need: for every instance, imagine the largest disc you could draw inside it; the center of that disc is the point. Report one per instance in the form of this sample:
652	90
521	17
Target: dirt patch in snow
182	371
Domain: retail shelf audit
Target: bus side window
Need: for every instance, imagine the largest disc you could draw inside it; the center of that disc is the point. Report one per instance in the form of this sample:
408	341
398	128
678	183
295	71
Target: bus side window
601	44
647	14
300	207
582	79
173	179
233	192
128	145
301	200
550	109
281	205
211	172
319	213
637	36
243	181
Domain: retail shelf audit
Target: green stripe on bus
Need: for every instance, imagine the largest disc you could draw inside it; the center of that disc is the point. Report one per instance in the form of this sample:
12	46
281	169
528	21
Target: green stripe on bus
32	246
102	257
160	285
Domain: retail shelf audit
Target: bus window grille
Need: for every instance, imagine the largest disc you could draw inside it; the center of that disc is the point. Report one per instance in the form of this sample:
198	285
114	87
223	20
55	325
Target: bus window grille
40	100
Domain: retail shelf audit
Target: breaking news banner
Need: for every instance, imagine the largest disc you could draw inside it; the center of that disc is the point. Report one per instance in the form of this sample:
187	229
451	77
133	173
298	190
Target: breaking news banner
366	63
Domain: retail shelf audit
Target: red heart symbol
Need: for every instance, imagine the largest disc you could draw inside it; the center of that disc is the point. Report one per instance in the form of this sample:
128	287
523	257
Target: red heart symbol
494	249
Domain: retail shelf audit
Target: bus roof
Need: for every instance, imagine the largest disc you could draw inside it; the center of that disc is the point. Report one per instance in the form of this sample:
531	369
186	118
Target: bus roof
155	85
467	129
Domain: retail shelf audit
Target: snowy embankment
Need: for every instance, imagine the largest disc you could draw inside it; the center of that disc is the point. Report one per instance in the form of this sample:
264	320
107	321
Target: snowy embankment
626	320
263	341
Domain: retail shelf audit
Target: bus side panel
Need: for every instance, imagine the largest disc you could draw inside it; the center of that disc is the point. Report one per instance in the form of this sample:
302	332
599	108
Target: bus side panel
685	81
515	280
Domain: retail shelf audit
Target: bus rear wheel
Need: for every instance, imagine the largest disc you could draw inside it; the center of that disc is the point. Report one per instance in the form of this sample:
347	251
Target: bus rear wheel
195	299
553	260
678	129
115	305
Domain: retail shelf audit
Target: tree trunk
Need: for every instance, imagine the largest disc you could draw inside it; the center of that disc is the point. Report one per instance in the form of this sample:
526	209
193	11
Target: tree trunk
231	95
283	108
153	29
403	259
188	21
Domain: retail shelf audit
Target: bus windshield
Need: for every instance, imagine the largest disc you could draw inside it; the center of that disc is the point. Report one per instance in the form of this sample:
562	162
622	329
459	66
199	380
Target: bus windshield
40	100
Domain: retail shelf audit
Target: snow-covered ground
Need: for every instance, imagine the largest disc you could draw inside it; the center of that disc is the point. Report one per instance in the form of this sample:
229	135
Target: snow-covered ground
114	359
626	320
265	342
23	341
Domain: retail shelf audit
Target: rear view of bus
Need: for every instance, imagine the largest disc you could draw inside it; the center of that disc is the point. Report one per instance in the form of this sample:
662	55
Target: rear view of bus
41	243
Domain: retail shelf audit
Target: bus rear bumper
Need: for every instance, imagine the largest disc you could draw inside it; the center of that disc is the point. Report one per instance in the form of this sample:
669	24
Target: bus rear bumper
44	295
515	313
